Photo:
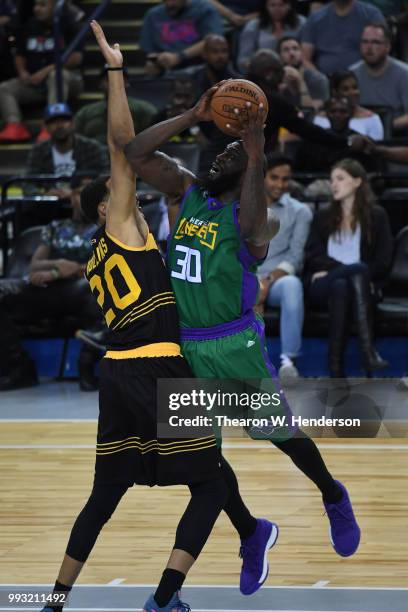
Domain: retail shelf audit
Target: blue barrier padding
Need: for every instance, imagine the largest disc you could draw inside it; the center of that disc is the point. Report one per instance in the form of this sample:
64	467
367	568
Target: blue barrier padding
313	361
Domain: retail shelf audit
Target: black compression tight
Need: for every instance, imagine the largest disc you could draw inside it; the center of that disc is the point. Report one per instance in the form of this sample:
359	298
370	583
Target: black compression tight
207	501
306	456
236	510
97	511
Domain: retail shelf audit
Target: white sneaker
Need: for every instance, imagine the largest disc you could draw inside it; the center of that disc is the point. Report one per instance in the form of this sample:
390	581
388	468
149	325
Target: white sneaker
287	370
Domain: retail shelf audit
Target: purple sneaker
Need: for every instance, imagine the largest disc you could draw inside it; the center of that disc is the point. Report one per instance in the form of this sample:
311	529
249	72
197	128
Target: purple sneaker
174	605
254	554
344	530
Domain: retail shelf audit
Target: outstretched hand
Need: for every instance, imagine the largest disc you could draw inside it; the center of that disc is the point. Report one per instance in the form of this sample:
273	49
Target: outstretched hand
252	129
112	55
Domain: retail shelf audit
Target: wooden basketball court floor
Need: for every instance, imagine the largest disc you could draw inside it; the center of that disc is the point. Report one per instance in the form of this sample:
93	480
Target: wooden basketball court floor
46	463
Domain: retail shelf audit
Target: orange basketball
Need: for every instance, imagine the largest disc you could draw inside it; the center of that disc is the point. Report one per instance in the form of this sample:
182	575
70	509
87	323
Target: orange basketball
233	94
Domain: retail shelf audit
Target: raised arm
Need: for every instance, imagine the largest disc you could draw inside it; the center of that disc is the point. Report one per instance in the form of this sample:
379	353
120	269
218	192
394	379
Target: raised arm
258	223
123	219
153	166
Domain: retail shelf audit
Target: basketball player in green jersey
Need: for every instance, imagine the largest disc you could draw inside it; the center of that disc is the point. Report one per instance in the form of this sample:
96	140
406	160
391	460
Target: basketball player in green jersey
221	234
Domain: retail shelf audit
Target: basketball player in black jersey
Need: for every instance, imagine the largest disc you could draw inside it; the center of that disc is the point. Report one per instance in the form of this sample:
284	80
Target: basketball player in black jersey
128	277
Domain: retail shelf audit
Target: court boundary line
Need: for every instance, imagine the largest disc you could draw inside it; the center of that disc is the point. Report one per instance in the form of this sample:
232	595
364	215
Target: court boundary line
196	610
216	586
249	446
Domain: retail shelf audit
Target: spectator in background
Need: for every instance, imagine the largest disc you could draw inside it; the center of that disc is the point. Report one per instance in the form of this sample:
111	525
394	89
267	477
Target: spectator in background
266	70
172	33
277	18
65	153
217	67
91	120
348	255
331	36
237	12
280	283
316	84
55	288
344	84
183	97
36	71
312	157
70	10
383	80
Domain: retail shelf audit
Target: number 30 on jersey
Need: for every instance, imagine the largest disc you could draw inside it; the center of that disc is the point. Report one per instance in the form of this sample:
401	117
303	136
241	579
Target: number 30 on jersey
188	265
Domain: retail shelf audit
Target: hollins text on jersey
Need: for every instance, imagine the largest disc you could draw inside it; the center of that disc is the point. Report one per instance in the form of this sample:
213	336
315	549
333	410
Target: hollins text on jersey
132	287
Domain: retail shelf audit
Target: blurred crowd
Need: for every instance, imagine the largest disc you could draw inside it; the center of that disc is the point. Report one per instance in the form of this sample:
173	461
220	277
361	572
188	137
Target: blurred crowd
336	77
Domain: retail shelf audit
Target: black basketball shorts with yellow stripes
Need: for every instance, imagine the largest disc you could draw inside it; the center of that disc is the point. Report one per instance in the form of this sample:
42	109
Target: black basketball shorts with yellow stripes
128	449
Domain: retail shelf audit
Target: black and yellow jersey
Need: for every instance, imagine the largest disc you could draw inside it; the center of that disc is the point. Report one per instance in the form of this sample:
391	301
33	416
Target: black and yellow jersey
132	286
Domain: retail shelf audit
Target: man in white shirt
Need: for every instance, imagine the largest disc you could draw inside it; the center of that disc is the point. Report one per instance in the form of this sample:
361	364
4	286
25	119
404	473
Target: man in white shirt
65	153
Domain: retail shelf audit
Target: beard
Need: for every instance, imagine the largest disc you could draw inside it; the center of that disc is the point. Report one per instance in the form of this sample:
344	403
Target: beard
61	136
220	184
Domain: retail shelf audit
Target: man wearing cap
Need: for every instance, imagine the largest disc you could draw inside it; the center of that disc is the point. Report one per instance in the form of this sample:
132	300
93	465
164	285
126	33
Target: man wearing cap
65	153
34	63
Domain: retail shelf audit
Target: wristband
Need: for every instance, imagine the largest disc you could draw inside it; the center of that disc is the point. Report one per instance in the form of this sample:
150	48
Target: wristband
56	273
112	68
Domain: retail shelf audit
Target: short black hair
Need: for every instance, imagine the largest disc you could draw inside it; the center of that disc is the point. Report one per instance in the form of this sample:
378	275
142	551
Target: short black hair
92	195
274	160
285	39
337	78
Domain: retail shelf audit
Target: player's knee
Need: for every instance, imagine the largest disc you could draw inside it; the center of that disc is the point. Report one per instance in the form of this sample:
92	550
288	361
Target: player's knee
103	502
215	492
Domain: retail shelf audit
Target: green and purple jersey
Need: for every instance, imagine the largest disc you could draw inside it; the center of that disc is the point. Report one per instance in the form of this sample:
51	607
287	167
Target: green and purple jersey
213	274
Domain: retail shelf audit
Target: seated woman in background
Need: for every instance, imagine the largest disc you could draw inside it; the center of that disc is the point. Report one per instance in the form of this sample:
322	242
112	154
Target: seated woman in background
347	259
344	84
277	18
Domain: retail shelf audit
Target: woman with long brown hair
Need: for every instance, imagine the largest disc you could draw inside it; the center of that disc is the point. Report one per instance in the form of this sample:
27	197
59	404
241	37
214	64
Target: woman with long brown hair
348	255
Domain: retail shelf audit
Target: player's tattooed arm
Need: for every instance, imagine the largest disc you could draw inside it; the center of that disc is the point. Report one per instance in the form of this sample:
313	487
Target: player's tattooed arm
157	169
160	171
